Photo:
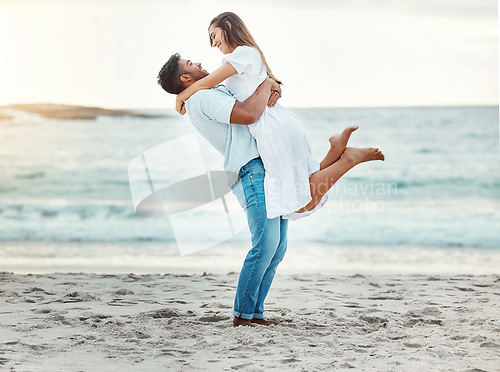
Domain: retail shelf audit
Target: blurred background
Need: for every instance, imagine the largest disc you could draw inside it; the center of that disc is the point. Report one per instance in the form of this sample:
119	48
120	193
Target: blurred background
420	78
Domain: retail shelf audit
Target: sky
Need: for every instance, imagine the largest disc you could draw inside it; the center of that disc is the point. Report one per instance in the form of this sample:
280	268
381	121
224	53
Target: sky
328	53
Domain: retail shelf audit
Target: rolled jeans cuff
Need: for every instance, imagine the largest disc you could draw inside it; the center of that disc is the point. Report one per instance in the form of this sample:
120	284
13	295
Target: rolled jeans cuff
243	316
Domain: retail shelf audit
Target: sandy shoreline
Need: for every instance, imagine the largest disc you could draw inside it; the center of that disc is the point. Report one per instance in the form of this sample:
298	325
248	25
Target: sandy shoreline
103	322
161	257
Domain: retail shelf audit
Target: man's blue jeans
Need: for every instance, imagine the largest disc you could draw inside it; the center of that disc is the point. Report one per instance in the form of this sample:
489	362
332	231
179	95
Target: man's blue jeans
269	242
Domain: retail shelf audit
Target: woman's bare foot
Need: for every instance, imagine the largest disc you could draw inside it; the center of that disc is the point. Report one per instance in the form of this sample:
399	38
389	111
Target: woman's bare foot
340	140
338	143
265	322
242	322
360	155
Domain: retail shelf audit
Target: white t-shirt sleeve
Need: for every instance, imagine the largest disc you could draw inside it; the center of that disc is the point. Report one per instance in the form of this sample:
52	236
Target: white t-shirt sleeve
243	59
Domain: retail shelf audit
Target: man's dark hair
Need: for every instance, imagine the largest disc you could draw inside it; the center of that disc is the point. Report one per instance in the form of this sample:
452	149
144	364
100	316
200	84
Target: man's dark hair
170	74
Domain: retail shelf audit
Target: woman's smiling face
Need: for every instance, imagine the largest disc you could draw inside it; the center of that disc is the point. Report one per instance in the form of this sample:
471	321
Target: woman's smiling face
218	41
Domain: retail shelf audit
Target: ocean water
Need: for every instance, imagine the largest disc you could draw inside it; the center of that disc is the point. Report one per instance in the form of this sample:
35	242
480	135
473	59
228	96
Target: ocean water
434	204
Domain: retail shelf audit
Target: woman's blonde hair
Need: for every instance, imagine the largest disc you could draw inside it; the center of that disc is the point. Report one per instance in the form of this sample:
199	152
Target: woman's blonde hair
235	33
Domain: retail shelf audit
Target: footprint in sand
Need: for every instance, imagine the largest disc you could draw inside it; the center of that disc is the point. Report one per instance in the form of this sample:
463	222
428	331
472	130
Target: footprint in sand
214	318
490	344
164	313
412	345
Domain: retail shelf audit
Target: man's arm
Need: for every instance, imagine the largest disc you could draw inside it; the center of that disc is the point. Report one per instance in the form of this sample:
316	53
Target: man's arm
250	110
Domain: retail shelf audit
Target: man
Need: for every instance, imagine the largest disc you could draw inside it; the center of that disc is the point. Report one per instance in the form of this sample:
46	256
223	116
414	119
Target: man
223	121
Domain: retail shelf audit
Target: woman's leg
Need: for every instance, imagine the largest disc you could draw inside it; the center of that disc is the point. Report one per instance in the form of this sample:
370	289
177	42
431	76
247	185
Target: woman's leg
321	181
338	143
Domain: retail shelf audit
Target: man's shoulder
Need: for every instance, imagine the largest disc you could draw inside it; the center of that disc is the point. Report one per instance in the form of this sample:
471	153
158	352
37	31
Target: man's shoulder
215	104
205	97
217	90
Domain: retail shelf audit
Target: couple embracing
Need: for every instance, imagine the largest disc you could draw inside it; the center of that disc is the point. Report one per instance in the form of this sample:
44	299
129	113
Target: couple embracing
264	144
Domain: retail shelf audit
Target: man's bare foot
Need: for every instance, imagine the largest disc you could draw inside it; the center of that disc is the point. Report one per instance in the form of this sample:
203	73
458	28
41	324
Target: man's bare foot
242	322
338	143
264	322
360	155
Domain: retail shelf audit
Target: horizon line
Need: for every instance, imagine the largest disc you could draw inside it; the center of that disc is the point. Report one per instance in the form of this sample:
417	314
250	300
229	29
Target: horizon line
290	107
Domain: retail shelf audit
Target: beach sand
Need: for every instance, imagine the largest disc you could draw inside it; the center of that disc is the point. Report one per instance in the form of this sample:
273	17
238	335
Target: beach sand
130	322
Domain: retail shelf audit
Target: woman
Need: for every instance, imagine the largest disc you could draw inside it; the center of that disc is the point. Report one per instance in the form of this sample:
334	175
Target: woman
295	184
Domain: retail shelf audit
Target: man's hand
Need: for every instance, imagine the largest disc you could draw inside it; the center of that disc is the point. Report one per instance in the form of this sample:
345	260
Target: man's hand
275	93
179	106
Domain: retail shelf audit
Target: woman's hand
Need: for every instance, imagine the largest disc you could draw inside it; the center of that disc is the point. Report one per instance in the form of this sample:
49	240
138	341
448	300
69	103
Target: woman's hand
179	106
275	93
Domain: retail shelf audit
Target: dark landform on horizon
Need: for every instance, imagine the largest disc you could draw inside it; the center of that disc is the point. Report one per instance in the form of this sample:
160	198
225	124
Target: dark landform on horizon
60	111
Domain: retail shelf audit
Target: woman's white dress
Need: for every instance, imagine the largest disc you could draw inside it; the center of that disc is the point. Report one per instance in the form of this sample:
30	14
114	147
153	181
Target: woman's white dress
281	141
